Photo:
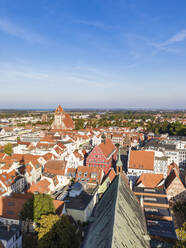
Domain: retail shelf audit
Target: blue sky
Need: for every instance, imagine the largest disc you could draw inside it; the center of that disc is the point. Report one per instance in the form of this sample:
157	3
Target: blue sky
93	53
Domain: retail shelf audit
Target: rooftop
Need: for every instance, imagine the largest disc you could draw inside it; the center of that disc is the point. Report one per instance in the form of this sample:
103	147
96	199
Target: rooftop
143	160
6	234
81	201
119	218
161	228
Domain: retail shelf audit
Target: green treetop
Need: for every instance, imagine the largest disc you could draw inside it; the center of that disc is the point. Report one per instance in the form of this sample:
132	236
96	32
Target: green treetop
8	149
38	205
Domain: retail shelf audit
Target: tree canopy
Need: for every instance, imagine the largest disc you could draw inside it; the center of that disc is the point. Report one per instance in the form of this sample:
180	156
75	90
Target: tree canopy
181	233
54	231
8	149
38	205
79	124
176	128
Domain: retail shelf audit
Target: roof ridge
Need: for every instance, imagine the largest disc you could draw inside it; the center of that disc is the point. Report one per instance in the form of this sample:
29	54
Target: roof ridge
116	203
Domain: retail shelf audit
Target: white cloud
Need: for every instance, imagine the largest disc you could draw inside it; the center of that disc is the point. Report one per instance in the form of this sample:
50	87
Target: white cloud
96	24
168	44
12	29
178	37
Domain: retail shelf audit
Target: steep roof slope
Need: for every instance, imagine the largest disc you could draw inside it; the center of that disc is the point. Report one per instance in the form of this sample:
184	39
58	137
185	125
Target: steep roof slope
68	121
150	180
107	148
118	220
141	160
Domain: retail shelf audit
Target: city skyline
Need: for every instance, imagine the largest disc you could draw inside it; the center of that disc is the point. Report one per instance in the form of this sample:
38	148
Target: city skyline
93	54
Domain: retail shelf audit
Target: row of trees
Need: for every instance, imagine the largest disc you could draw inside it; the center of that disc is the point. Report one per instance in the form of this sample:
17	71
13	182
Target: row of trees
156	127
176	128
47	123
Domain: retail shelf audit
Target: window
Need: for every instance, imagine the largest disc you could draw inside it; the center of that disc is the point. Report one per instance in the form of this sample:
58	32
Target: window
11	204
150	190
10	212
150	199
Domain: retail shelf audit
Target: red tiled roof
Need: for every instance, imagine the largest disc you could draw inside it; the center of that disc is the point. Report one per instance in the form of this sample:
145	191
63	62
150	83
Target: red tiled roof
58	206
107	148
47	156
143	160
56	167
71	171
111	174
150	180
78	155
42	187
8	178
81	170
11	206
2	155
17	157
44	145
68	121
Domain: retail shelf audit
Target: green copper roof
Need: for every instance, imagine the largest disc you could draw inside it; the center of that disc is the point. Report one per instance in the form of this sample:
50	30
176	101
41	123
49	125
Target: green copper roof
119	162
118	220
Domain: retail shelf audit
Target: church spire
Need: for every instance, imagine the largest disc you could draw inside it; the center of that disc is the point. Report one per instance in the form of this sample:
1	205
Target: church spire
59	109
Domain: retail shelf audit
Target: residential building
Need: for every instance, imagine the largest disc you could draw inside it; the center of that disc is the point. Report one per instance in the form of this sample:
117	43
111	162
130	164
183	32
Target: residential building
81	201
107	180
57	168
10	236
140	162
89	175
11	206
103	156
158	216
175	189
75	159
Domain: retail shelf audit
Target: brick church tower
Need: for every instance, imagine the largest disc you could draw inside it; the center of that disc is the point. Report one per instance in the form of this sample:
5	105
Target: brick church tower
62	120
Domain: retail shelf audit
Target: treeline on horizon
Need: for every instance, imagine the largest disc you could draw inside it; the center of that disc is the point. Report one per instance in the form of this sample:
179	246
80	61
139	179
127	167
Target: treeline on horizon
127	120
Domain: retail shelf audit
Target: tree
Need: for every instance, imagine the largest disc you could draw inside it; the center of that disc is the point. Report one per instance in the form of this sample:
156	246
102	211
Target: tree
54	231
79	124
8	149
38	205
181	233
117	145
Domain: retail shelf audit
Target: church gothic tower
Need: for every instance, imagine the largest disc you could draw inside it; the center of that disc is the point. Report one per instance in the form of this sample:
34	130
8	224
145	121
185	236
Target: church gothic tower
62	120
